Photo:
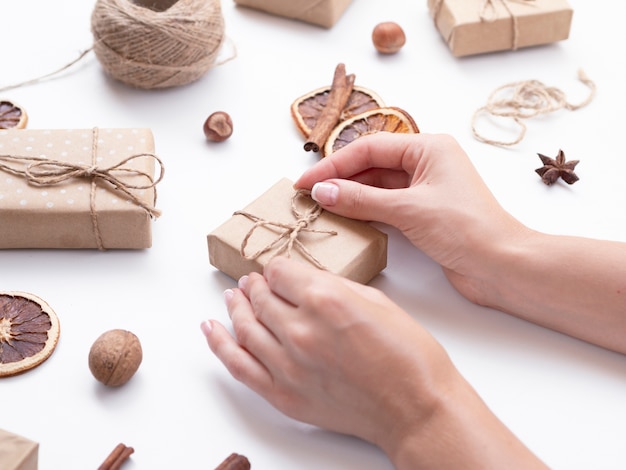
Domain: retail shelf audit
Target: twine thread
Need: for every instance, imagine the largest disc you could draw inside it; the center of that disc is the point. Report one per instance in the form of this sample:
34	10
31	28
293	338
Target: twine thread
524	100
54	73
41	171
287	238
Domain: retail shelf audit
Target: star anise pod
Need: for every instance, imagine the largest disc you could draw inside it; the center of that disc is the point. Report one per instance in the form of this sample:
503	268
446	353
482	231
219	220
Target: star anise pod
552	169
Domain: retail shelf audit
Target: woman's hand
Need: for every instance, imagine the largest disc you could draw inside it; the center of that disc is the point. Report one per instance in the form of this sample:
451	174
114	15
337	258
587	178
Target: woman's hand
426	186
343	356
331	352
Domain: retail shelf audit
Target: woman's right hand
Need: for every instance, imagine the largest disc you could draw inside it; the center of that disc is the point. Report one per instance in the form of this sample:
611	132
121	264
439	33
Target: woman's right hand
337	354
426	186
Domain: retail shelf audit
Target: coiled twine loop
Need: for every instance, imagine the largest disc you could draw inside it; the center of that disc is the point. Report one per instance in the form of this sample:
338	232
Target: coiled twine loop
157	43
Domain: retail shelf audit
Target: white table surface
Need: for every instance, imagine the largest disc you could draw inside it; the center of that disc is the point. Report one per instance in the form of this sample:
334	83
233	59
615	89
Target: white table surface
564	398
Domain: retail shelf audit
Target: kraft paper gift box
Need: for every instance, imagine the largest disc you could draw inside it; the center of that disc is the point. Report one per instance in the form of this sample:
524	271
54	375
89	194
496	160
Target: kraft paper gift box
479	26
351	248
77	188
320	12
17	452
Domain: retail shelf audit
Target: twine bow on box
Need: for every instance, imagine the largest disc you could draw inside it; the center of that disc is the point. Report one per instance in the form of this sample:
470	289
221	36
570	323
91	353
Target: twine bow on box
490	5
41	171
288	233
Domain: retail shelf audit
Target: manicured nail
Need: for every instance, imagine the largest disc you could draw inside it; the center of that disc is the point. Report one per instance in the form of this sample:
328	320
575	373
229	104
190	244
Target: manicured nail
228	295
325	193
243	281
206	327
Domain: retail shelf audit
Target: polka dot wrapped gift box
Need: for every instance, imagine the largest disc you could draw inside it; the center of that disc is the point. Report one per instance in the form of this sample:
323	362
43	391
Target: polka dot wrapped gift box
71	188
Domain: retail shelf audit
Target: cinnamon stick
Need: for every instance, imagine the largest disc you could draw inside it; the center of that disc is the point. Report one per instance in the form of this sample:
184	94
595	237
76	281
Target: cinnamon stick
122	458
234	462
340	92
116	458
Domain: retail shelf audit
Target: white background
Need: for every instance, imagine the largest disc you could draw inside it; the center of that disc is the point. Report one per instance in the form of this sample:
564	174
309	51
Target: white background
564	398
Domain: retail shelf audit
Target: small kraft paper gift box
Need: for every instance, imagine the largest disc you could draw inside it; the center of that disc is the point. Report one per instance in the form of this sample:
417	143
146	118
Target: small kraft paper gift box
17	452
323	13
478	26
287	222
92	188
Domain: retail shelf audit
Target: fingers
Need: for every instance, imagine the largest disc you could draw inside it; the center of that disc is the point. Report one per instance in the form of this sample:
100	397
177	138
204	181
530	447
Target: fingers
365	179
381	150
269	308
358	201
242	365
383	178
267	317
251	356
296	283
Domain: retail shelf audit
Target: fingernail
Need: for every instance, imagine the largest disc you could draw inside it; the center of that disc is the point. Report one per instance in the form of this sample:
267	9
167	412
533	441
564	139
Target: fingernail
243	281
206	327
325	193
228	295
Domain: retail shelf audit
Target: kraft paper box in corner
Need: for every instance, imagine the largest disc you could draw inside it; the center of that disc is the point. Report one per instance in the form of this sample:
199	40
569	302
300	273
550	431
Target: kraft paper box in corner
476	26
320	12
351	248
69	188
17	452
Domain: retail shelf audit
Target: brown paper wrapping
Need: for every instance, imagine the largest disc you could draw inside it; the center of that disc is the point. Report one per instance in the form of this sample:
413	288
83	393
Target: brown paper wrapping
320	12
17	452
60	215
474	26
358	251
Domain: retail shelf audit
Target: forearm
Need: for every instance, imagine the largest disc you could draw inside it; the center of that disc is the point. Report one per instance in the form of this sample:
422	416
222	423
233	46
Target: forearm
570	284
463	433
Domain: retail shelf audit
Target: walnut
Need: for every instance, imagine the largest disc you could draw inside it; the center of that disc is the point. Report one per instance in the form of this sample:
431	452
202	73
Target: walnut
115	357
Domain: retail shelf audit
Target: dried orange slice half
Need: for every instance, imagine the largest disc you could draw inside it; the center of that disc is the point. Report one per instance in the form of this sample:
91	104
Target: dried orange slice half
12	116
390	119
306	109
29	332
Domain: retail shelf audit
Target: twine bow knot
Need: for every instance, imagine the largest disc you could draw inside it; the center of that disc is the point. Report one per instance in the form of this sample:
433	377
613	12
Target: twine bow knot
288	233
491	5
44	172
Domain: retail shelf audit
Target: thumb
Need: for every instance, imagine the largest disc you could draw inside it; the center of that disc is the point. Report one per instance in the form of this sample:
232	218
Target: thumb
355	200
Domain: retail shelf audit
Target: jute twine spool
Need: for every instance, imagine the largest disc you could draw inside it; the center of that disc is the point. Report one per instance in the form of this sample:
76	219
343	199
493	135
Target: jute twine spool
157	43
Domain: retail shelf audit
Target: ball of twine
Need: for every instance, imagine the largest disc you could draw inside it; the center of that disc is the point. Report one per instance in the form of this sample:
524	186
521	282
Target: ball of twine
157	43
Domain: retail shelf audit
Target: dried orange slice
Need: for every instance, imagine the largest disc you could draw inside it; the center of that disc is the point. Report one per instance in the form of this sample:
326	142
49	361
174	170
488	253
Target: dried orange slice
390	119
306	109
12	116
29	332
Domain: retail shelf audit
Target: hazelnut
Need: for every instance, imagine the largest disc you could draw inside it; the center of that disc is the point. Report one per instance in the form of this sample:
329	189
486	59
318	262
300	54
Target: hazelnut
115	357
388	37
218	127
